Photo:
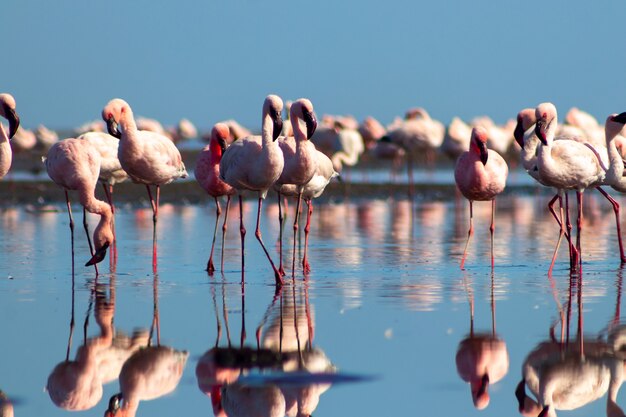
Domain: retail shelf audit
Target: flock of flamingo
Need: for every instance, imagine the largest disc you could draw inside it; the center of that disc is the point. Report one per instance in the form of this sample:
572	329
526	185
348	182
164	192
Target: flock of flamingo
297	159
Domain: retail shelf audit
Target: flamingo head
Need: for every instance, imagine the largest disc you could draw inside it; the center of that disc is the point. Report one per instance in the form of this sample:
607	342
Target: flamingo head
303	109
546	121
7	110
112	114
114	405
525	119
102	238
220	134
480	393
273	106
479	143
416	113
614	125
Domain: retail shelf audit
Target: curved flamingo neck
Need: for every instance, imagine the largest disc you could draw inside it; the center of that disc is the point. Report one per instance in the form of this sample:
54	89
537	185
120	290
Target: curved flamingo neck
295	116
3	134
616	163
529	156
127	121
216	151
267	130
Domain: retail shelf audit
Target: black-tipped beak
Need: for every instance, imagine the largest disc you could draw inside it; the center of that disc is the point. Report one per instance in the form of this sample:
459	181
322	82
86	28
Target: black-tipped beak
112	128
518	134
99	255
484	384
520	394
540	131
222	144
484	153
13	118
544	412
311	123
114	403
278	126
620	118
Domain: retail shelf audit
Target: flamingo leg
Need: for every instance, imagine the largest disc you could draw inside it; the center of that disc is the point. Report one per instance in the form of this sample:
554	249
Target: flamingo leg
69	211
257	233
210	267
108	192
574	254
305	260
492	228
579	227
242	232
155	215
224	227
295	233
280	236
470	232
561	230
615	205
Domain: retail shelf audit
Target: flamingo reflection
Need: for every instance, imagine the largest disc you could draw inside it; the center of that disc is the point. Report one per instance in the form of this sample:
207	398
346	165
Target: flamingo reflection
77	384
482	358
566	376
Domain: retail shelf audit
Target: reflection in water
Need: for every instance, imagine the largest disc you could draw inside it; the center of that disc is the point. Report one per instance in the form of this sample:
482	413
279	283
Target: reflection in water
566	376
77	384
150	372
284	359
482	358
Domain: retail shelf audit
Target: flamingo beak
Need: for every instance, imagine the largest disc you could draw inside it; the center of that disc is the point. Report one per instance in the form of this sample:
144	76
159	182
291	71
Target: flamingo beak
278	126
520	394
620	118
540	131
544	412
112	128
222	144
13	118
311	123
114	405
518	134
484	154
99	255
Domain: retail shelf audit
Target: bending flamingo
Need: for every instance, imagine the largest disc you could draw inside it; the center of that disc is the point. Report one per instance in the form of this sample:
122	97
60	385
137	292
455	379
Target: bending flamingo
480	175
207	174
300	163
74	165
7	110
149	158
254	163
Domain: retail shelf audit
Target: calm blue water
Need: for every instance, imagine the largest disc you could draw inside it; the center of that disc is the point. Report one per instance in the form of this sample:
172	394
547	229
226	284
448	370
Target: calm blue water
385	297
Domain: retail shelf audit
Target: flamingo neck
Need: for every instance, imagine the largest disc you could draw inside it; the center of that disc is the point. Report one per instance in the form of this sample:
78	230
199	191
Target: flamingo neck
340	158
129	408
529	151
216	152
127	121
616	163
3	134
267	131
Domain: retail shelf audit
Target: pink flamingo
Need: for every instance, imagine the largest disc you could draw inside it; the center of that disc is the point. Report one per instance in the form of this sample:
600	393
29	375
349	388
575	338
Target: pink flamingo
149	158
480	175
208	176
7	110
300	162
254	163
74	165
566	164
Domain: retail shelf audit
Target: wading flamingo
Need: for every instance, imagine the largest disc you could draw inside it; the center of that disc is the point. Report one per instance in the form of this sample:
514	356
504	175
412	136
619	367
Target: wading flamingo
300	163
480	175
254	163
149	158
75	165
207	174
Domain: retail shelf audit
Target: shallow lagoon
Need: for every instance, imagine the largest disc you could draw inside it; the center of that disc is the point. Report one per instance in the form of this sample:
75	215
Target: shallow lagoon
386	297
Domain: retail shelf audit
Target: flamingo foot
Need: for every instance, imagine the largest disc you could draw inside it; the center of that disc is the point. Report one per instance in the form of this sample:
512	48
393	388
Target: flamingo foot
210	267
306	267
278	278
281	270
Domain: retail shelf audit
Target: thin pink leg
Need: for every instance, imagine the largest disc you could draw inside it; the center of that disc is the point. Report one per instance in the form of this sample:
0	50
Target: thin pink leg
306	267
561	231
295	234
615	205
69	211
224	227
470	232
242	232
579	227
280	236
155	214
210	267
492	228
257	233
86	227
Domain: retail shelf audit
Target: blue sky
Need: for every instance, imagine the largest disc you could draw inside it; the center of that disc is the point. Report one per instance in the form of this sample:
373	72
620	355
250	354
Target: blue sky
211	60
